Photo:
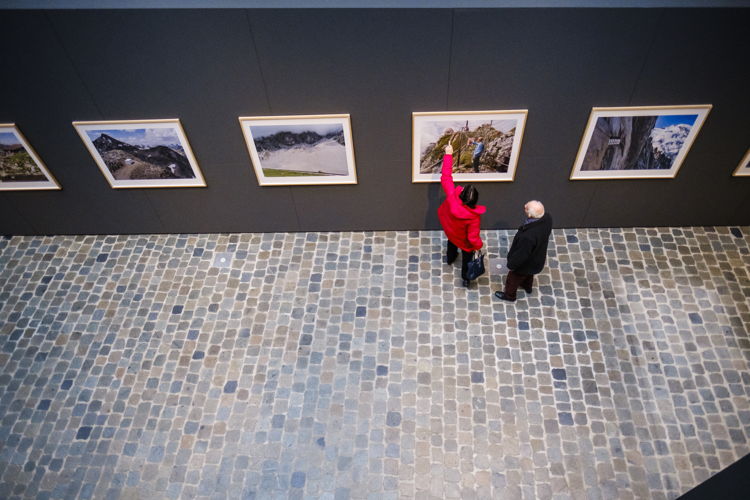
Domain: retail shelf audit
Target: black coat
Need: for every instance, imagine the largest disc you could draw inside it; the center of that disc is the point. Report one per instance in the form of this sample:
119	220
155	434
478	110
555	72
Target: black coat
528	252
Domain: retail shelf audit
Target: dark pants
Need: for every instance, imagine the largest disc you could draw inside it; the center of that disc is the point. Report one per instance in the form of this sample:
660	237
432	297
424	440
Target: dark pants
514	280
452	252
475	163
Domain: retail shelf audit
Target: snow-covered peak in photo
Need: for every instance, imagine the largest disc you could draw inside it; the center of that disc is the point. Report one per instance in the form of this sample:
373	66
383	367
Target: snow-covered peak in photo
669	140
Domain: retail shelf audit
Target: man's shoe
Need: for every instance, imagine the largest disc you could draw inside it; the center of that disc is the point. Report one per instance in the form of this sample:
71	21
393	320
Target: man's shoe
527	290
502	296
467	283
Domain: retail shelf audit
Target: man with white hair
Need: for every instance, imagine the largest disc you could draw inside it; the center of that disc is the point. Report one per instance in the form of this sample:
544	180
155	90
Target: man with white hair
528	252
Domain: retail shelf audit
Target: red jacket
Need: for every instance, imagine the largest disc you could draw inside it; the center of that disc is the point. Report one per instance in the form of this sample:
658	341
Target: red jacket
460	223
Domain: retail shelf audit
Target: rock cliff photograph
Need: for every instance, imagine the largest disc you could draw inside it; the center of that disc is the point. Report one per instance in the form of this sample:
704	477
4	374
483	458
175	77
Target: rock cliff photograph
638	143
485	145
299	151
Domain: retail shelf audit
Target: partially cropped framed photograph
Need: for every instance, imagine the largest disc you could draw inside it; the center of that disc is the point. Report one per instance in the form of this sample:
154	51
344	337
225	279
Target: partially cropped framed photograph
648	142
20	167
743	169
141	153
486	144
300	150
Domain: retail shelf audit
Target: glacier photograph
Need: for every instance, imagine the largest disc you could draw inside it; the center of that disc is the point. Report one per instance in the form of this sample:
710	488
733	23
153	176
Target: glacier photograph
301	150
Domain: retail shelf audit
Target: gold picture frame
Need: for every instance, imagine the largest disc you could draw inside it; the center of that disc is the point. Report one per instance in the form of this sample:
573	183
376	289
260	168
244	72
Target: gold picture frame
300	150
21	169
141	153
640	142
502	130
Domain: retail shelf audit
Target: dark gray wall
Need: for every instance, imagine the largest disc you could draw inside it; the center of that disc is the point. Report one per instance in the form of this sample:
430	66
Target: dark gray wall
207	67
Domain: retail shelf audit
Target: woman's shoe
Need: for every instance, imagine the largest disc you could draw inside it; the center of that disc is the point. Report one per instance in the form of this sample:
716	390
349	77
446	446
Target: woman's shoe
467	283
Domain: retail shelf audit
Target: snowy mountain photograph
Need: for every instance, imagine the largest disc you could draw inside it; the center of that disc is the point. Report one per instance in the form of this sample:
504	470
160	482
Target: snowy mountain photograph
300	150
144	154
645	142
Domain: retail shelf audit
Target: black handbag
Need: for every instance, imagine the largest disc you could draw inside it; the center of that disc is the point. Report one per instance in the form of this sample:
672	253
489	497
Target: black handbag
475	267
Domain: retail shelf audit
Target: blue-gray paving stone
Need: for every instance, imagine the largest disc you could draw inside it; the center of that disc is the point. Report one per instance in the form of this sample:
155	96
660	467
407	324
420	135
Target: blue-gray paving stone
565	418
393	418
298	479
83	432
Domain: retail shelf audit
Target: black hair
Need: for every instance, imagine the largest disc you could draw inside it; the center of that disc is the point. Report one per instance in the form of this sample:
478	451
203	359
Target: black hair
469	195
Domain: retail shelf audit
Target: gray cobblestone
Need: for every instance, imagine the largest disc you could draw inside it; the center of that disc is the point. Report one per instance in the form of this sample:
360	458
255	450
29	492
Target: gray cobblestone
355	365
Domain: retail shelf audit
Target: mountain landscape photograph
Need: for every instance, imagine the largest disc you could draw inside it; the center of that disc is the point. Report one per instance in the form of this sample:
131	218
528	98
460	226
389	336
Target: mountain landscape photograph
498	137
637	142
142	153
301	150
16	164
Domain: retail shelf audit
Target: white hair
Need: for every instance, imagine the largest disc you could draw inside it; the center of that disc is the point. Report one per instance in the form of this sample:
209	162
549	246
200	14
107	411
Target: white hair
534	209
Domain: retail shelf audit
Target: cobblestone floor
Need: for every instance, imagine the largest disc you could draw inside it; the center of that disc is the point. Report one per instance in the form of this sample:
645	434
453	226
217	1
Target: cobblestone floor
354	365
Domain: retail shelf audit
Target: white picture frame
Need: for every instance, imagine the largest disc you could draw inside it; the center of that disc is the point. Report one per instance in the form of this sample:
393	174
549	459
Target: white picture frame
21	169
300	150
141	153
644	142
502	133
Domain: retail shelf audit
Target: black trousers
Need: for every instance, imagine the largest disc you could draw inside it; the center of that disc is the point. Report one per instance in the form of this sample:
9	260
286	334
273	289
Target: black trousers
475	163
514	280
452	252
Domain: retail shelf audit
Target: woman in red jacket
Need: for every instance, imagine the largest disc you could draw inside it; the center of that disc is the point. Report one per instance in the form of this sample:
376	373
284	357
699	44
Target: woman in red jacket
460	216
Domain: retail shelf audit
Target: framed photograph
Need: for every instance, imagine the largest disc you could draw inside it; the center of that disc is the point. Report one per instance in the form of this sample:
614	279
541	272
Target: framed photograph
743	169
300	150
20	167
637	143
486	144
142	153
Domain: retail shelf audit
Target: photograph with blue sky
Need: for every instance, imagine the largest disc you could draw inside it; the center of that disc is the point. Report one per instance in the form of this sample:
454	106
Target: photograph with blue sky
665	121
17	166
650	142
432	130
148	137
8	139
